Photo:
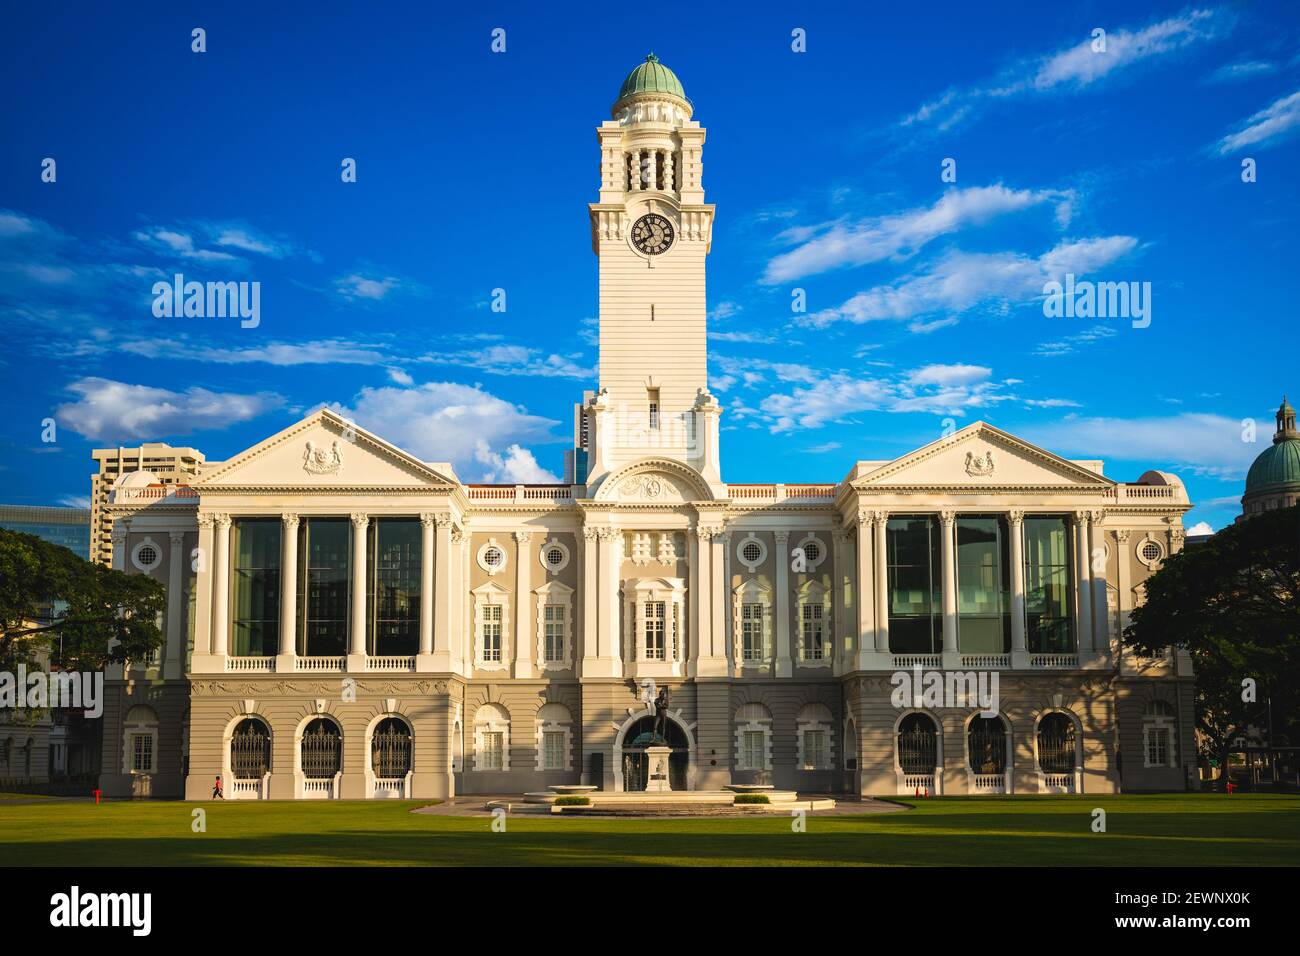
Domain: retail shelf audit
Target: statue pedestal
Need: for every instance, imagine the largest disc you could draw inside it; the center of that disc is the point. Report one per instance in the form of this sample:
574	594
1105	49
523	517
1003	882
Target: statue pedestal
657	771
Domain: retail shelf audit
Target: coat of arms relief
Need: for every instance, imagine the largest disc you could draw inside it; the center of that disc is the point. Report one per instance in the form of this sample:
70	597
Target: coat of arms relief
318	460
978	467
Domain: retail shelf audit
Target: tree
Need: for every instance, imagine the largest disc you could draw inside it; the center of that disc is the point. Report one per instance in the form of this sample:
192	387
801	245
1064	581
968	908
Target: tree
1233	602
98	607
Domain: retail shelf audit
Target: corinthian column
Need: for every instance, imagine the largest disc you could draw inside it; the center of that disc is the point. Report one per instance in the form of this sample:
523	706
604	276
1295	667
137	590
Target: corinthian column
424	659
865	591
287	658
173	660
357	634
1100	606
881	569
1016	524
1082	583
221	591
948	545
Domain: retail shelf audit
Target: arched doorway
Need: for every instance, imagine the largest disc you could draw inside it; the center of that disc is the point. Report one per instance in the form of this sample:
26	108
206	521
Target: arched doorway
635	762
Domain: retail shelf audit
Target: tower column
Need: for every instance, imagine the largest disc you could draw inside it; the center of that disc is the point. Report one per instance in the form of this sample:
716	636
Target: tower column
781	605
424	659
865	592
173	660
523	628
221	591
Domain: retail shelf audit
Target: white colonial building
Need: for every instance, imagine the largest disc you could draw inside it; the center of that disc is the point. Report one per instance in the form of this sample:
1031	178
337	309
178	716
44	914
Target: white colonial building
349	621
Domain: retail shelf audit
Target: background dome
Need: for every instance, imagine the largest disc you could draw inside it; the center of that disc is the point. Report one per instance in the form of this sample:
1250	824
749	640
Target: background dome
652	77
1277	466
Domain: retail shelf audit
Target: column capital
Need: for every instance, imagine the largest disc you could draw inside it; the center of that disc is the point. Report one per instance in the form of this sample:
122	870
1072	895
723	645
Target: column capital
1016	515
360	519
881	515
947	516
290	521
1081	515
1096	514
607	534
177	538
866	518
782	537
221	520
458	534
523	537
205	519
1121	535
590	533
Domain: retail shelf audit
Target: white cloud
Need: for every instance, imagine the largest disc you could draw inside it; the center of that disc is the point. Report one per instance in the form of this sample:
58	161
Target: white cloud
1201	527
1232	72
962	280
1205	444
724	310
897	236
823	448
75	501
357	286
512	360
116	411
320	352
1071	343
949	374
400	377
446	421
175	242
1278	119
1076	67
516	466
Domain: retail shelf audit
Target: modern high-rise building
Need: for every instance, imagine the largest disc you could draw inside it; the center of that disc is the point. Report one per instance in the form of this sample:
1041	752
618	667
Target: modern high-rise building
66	527
168	465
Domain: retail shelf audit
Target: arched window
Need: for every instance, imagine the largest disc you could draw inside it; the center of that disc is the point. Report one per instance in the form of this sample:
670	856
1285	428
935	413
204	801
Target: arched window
1158	735
1056	744
986	745
390	749
140	740
250	750
554	734
753	737
813	730
322	749
492	738
918	744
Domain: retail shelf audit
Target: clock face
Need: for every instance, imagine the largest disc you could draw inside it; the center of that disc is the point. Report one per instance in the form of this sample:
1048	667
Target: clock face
652	234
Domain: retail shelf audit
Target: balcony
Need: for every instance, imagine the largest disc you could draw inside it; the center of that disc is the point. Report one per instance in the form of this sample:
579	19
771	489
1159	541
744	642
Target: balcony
771	494
520	494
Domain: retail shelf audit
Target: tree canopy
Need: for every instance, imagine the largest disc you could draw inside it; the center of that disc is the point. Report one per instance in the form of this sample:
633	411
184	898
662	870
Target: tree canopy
1233	602
96	607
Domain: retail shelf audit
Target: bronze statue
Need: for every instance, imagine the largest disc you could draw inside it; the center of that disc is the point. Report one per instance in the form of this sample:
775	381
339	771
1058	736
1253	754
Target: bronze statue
661	714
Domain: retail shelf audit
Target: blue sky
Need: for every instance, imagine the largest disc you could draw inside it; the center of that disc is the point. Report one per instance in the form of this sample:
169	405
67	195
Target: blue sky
474	168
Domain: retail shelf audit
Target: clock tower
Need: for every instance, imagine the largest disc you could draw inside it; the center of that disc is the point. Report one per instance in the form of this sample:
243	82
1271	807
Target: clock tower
651	230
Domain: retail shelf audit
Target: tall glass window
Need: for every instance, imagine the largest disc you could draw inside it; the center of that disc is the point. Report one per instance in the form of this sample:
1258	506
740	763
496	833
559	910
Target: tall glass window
324	552
1047	585
393	602
915	599
256	615
983	604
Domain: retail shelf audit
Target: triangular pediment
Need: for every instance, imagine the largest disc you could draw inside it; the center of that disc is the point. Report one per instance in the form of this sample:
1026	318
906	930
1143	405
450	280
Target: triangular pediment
981	456
324	451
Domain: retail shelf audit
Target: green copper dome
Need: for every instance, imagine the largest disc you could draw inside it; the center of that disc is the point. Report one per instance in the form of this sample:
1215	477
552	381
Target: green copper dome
1278	466
652	77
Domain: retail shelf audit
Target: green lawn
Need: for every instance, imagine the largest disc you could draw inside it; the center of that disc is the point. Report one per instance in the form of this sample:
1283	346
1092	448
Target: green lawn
1172	830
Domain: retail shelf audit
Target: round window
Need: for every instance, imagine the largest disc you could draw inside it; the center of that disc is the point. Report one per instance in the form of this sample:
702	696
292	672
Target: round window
147	556
494	557
1151	551
812	551
752	552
